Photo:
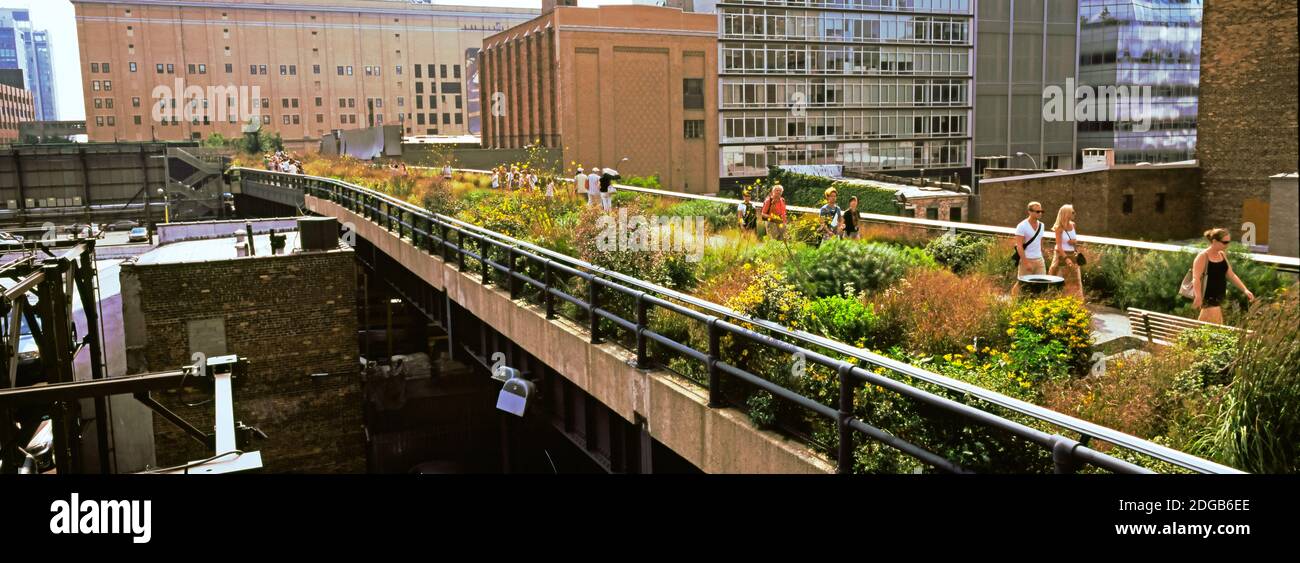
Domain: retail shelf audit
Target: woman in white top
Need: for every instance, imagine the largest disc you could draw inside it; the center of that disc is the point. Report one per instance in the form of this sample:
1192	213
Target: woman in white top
1067	249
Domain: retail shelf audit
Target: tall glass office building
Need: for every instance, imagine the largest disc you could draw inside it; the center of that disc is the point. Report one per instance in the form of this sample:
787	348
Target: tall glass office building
1154	43
25	48
868	84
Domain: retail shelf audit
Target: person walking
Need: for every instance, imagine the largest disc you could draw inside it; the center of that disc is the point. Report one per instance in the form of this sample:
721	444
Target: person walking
1210	274
851	219
747	214
580	185
1029	246
774	213
606	191
832	217
593	186
496	177
1065	258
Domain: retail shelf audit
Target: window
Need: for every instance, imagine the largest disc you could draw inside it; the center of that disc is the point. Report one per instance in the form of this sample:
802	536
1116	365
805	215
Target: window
284	70
429	68
296	119
94	85
455	71
261	69
284	103
318	101
349	70
293	70
693	93
130	48
227	51
419	118
1160	198
108	85
932	213
105	67
171	68
293	102
458	119
352	102
433	102
340	71
191	68
450	87
266	102
320	118
203	68
131	66
135	102
230	68
130	31
1128	204
285	119
266	120
419	102
159	68
457	102
398	69
225	33
446	119
419	87
401	101
954	214
694	129
99	103
343	102
417	72
99	120
94	67
108	103
252	69
444	70
137	120
315	69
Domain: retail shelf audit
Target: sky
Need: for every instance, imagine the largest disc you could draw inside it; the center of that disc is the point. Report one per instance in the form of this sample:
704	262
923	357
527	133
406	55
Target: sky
58	17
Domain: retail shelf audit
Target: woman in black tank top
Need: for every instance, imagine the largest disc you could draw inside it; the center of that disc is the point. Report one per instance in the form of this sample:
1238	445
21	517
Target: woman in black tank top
1210	274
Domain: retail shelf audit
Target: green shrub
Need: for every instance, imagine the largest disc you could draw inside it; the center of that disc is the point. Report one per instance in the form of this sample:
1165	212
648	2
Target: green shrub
839	264
1258	426
651	181
718	216
1051	338
842	318
807	190
959	252
1150	280
762	409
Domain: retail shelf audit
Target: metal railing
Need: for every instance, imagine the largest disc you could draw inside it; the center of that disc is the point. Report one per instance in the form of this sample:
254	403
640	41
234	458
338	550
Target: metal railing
459	242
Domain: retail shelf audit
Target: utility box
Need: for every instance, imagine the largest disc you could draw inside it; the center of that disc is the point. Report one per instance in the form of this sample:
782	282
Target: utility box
318	233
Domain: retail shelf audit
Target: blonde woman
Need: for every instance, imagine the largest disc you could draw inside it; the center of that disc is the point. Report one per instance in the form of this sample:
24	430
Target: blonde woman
1065	259
1210	275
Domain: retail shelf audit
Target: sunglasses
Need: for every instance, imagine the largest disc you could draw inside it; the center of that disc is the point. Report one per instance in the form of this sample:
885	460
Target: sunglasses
1035	210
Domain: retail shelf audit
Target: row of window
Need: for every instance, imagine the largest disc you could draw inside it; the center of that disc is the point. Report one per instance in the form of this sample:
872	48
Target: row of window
761	126
96	68
757	23
849	60
821	92
753	160
105	85
940	6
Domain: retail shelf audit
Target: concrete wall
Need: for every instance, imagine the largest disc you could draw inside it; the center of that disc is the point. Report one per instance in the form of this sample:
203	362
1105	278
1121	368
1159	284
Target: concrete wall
292	316
1284	216
1248	113
677	413
1098	198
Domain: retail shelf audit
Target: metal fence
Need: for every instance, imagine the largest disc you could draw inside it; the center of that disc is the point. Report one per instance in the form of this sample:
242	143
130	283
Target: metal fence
537	274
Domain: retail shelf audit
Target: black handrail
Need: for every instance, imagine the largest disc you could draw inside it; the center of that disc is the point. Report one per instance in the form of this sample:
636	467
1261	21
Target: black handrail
1067	453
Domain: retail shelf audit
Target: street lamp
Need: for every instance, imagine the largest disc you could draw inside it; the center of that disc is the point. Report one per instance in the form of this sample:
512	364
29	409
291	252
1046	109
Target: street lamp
1031	159
167	206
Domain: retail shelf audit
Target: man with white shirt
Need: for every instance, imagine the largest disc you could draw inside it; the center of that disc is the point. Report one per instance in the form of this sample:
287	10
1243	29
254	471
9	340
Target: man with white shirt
593	186
1029	245
580	184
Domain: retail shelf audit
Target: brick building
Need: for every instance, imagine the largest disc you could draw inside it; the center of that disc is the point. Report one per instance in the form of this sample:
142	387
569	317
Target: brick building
318	65
292	315
1247	124
16	105
606	83
1156	203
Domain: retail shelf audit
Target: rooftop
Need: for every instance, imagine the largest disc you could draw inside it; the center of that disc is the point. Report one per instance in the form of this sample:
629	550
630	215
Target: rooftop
211	250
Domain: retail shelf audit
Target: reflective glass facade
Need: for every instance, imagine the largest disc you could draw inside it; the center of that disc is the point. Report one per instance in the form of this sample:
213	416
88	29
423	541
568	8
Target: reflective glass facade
876	84
1153	43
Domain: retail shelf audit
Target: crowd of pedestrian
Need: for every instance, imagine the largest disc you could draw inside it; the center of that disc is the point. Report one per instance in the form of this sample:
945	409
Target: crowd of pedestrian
280	161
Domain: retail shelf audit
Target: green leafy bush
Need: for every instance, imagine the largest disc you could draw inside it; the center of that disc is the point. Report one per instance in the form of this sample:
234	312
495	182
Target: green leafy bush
959	252
717	216
839	264
1051	337
807	190
842	318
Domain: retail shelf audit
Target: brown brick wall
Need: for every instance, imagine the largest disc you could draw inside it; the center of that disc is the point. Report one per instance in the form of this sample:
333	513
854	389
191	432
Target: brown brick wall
1098	199
291	316
1247	123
